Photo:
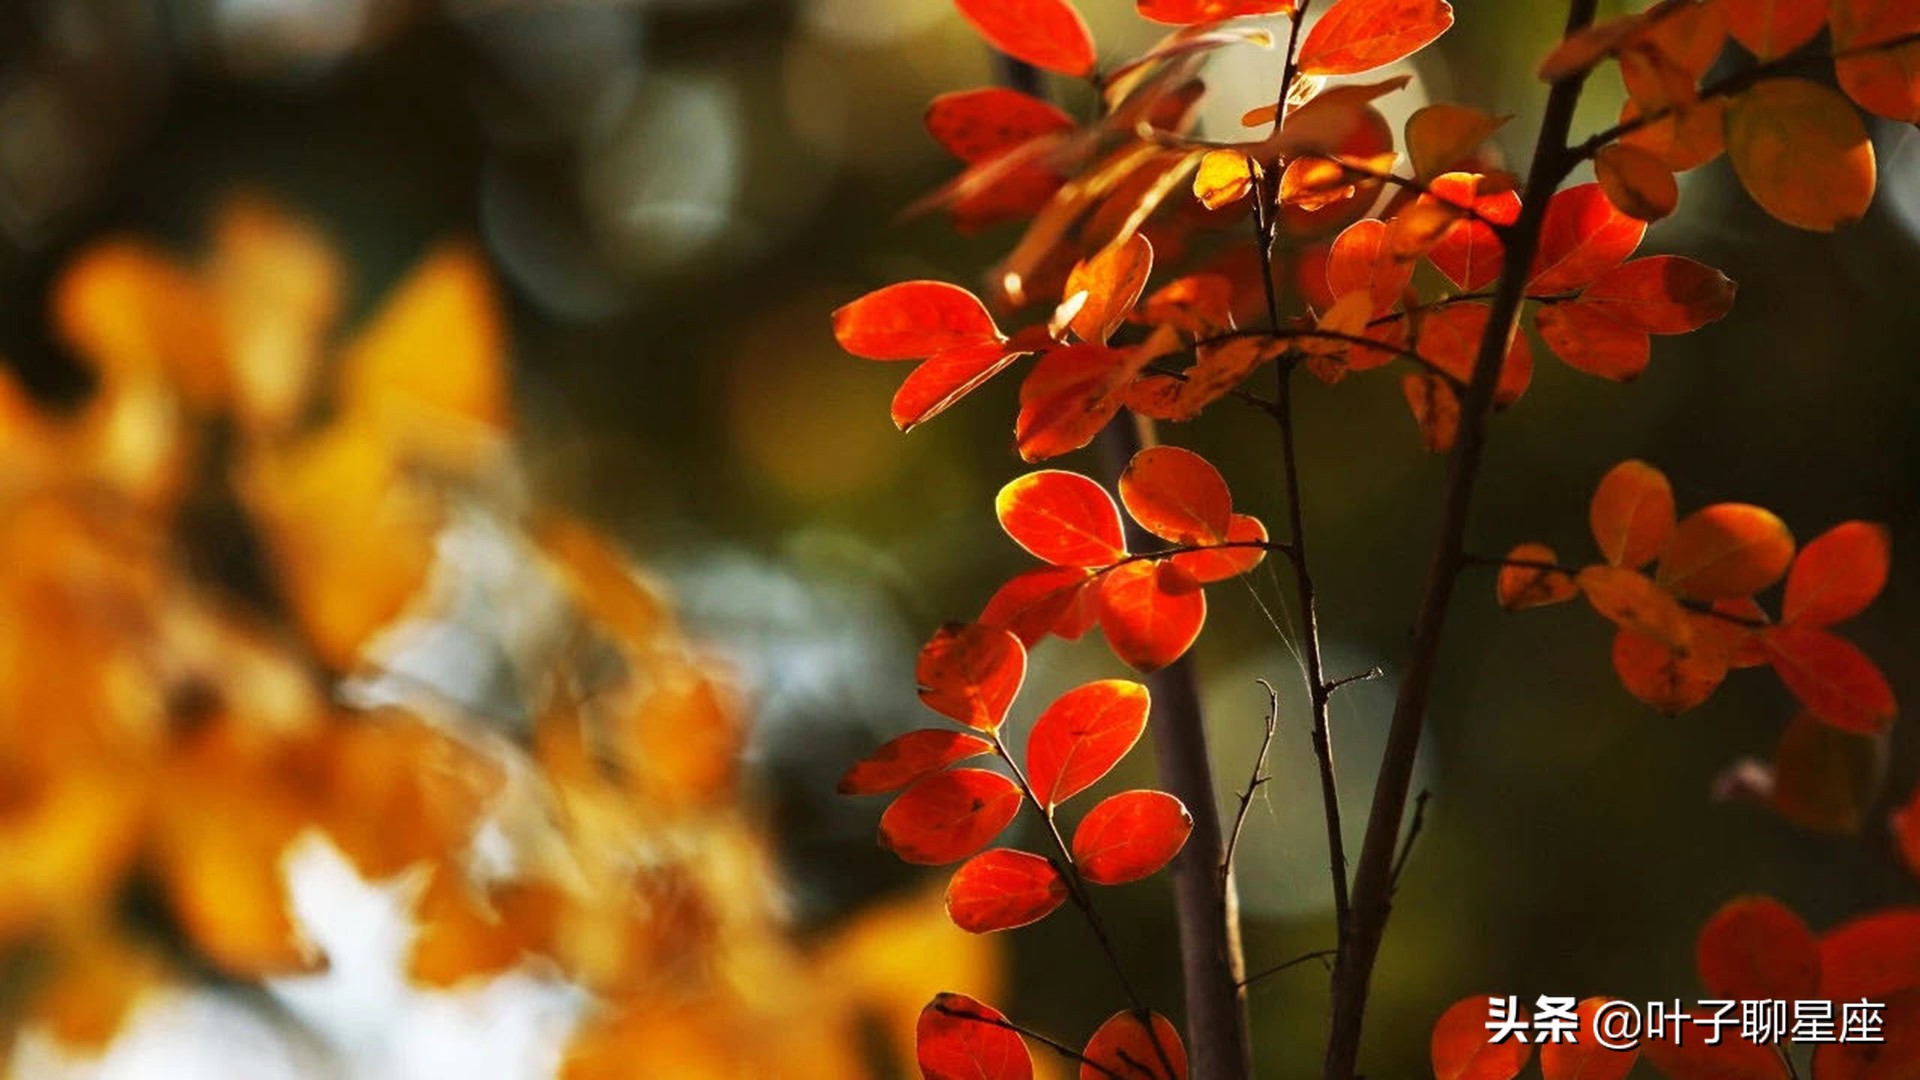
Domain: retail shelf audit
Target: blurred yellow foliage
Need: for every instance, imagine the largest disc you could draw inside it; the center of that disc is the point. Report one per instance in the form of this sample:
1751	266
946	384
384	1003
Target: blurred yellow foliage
171	722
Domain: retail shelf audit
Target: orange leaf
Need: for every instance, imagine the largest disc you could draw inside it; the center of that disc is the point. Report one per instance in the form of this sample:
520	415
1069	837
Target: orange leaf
1082	736
1636	181
1691	1057
1435	408
1904	823
1450	340
1634	602
1224	177
1113	280
1045	33
1126	1046
1460	1048
1872	956
1070	395
1226	562
1586	337
1728	549
1823	778
1360	262
976	125
911	320
1177	495
909	759
971	673
1664	294
1631	514
1691	137
1151	612
1039	602
1360	35
960	1047
1063	518
1585	1058
1196	304
1582	236
1443	136
1002	889
1469	253
1770	28
1130	836
1837	575
1663	679
1188	12
1885	82
1754	949
1831	677
946	377
1897	1058
949	816
1802	153
1522	587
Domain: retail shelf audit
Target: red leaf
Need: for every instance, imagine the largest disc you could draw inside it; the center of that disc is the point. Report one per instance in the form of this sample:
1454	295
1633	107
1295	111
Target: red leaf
1582	237
1833	679
1001	889
1041	602
1872	956
1151	612
1837	575
1770	28
1693	1058
1045	33
954	1047
1665	294
1082	736
911	320
1520	587
1725	550
1898	1058
1631	514
1883	81
1450	340
1587	338
1586	1058
1223	563
1469	253
949	816
1663	679
976	125
946	377
971	673
1634	602
1360	35
1188	12
1755	949
1177	495
1461	1049
1359	261
1126	1046
909	759
1130	836
1070	395
1063	518
1113	279
1435	407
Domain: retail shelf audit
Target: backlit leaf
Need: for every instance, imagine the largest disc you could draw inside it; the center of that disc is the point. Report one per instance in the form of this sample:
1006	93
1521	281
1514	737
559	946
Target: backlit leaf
1636	181
1063	518
1436	409
1461	1049
946	377
1634	602
1663	679
951	1046
1450	340
1151	612
1082	736
1824	778
1360	35
1360	262
1039	602
1895	1057
949	816
1728	549
1872	956
976	125
1001	889
1883	81
1837	575
1126	1046
1664	294
909	759
1187	12
1130	836
1690	1057
1582	236
1442	136
1469	253
1177	495
1071	394
1521	587
911	320
1223	563
1113	280
1587	337
1223	178
971	673
1802	153
1631	514
1048	34
1688	139
1831	677
1584	1058
1770	28
1756	949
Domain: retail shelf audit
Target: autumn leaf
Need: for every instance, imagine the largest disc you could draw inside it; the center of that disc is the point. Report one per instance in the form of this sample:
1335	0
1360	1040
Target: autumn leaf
1802	153
1443	136
1071	394
909	759
911	320
979	125
1837	575
1224	177
1043	601
1082	736
1048	34
1062	518
1634	602
971	673
1470	253
1823	778
1125	1046
1724	550
1582	236
1770	28
1436	409
1664	294
1831	677
1665	680
1130	836
1112	280
1359	261
946	377
1218	564
1450	341
1756	949
1520	586
1587	337
1151	612
1177	495
949	816
1884	81
1636	181
1461	1046
1897	1055
1631	514
1584	1057
1360	35
1871	956
1188	12
1002	889
958	1038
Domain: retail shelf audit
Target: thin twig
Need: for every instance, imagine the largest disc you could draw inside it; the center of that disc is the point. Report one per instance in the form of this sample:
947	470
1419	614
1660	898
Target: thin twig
1254	781
1372	673
1052	1044
1698	607
1276	546
1413	833
1322	955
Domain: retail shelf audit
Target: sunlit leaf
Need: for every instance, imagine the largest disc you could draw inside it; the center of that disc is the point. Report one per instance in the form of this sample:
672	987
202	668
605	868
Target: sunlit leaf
1045	33
1360	262
1113	279
1883	81
1469	253
1636	181
1223	178
1151	611
1663	679
1727	549
1634	602
911	320
1521	587
1126	1046
971	673
909	759
1896	1056
950	1044
949	816
1838	574
1436	409
1063	518
1071	394
1631	514
1770	28
1443	136
1187	12
1222	563
1360	35
1130	836
1002	889
1582	236
977	125
1082	736
1196	304
1461	1046
1587	337
1756	949
1831	677
1450	340
1040	602
1584	1057
1689	1056
1872	956
946	377
1664	294
1802	153
1687	139
1177	495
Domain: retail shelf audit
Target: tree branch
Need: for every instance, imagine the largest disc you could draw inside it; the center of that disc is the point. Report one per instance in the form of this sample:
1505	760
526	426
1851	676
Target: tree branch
1258	778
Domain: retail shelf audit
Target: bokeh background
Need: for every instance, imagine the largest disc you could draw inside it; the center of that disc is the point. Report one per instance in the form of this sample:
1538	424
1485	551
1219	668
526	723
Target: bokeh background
676	193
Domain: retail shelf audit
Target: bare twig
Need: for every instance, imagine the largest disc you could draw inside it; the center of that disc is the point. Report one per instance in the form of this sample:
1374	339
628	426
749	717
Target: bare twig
1413	833
1322	955
1258	778
1372	673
